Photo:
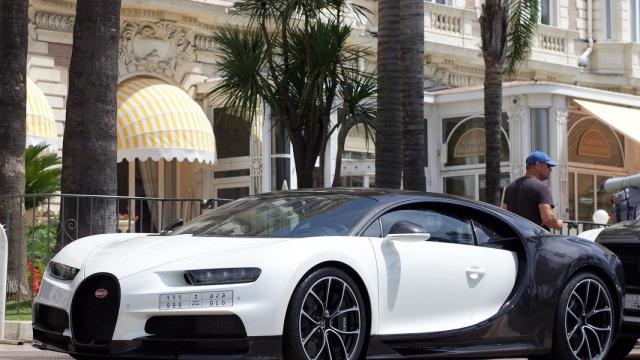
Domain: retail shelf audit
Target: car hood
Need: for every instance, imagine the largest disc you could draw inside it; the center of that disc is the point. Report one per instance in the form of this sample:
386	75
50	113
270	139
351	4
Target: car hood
124	258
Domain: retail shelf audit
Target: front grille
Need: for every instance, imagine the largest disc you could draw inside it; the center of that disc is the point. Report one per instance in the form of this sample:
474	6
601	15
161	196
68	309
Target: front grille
629	255
50	318
196	327
94	309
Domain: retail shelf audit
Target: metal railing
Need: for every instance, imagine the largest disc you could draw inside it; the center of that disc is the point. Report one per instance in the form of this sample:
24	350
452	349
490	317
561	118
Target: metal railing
47	222
576	227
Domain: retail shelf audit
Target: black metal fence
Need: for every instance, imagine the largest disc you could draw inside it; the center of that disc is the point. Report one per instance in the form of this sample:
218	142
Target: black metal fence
576	227
46	222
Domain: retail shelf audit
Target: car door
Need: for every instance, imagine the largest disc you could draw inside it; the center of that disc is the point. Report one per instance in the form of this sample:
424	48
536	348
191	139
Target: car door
431	285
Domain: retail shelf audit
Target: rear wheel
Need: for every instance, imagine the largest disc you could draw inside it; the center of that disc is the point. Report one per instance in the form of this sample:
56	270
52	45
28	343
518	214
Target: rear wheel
326	318
584	321
621	348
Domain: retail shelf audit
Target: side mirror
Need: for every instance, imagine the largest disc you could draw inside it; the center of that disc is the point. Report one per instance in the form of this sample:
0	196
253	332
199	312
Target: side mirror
406	227
171	226
415	237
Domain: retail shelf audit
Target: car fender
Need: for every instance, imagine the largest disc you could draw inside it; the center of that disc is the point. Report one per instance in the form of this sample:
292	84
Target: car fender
76	253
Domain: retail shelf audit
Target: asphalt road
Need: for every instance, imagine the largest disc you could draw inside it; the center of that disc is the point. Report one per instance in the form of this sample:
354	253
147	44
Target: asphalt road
26	352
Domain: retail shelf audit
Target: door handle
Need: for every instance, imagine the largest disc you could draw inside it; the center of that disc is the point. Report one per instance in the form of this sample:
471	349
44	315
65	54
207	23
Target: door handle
475	272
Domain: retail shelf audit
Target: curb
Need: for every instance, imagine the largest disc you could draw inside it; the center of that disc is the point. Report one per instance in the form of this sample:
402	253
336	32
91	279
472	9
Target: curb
16	332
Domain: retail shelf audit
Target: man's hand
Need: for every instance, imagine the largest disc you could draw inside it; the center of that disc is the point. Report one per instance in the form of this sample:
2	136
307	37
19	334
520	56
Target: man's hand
549	219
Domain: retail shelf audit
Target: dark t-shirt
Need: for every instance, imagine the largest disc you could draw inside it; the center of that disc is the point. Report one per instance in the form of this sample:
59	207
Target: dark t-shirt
524	195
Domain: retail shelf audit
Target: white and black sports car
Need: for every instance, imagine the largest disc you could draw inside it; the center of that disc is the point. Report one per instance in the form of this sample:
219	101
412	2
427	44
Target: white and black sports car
335	274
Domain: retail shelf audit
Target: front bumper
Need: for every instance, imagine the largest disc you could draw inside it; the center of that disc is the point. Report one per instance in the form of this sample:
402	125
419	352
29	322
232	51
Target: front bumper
143	328
150	348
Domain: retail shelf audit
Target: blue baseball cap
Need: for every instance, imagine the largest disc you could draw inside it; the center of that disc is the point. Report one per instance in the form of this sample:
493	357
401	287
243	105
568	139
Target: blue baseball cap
539	156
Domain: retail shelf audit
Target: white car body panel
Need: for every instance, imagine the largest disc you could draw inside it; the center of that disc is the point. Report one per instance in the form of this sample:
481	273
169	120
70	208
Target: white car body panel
432	287
283	262
499	281
590	235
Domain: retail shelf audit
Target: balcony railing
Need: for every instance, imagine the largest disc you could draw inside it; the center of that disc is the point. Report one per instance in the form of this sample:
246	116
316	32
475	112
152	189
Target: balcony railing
574	228
52	220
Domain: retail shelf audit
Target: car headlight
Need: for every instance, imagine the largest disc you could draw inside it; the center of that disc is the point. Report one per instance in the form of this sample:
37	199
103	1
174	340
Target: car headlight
62	271
222	276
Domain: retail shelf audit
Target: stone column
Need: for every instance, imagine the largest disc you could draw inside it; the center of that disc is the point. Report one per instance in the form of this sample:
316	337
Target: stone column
517	113
558	116
255	153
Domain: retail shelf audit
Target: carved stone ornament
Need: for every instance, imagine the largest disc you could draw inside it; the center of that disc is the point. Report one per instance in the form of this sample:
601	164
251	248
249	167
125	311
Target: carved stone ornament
54	22
154	47
205	43
256	165
562	115
517	113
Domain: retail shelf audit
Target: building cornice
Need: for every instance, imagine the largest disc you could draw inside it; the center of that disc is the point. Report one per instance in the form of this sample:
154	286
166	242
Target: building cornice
534	88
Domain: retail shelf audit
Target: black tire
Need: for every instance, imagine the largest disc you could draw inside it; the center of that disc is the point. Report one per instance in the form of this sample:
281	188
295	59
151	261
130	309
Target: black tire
585	320
320	321
621	348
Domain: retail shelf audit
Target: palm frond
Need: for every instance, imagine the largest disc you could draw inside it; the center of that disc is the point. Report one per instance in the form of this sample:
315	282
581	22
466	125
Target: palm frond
240	65
523	22
42	173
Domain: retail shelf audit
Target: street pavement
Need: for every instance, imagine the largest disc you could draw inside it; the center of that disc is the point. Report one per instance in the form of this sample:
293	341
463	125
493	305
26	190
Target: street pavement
26	352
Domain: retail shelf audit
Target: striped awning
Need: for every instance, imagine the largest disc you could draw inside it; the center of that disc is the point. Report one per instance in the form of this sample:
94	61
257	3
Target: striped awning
157	121
41	124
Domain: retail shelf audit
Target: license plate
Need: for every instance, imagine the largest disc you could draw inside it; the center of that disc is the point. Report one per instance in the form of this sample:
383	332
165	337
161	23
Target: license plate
196	300
632	301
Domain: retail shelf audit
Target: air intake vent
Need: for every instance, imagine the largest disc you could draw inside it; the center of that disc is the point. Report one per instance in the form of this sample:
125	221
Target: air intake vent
50	318
94	309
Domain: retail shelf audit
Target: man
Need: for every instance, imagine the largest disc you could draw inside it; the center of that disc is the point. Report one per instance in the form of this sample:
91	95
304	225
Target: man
530	197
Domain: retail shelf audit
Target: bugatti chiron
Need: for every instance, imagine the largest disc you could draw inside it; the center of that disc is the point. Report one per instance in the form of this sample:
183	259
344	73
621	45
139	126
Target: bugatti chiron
334	274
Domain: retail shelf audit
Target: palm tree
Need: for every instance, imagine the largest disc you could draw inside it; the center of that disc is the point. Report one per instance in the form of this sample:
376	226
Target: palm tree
290	55
507	30
389	127
13	107
42	174
358	108
412	57
89	147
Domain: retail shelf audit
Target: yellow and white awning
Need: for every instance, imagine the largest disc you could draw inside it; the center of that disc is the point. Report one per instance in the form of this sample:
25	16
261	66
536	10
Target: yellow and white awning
157	121
41	124
624	119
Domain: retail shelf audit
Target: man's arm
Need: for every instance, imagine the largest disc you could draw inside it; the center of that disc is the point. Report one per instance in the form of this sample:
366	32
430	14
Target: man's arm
549	218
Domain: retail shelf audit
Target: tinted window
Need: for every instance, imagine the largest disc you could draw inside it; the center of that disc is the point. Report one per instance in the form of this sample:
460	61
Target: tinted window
284	216
373	230
441	227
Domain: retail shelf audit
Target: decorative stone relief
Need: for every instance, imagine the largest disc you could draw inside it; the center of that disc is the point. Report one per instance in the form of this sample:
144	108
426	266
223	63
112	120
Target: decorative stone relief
154	47
205	43
562	115
54	22
517	113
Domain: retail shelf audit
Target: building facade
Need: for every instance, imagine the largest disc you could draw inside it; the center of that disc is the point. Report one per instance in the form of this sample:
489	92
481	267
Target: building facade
576	98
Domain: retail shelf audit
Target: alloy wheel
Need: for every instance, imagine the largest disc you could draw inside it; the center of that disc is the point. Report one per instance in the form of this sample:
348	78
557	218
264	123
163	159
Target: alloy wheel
589	320
330	320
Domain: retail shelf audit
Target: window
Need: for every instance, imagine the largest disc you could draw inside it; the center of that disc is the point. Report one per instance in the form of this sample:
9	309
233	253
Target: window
634	15
465	140
546	12
440	226
441	2
607	12
540	129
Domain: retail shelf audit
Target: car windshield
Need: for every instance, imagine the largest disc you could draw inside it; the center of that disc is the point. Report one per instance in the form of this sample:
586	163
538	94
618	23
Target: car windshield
306	215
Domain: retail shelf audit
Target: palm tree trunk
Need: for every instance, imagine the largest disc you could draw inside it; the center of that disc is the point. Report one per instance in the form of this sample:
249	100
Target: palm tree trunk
389	113
412	19
13	96
89	155
493	23
342	137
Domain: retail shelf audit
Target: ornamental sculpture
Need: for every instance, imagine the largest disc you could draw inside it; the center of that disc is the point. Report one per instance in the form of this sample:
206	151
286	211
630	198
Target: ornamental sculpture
154	47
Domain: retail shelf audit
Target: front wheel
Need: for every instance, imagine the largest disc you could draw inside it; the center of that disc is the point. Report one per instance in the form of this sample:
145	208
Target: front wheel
585	320
326	318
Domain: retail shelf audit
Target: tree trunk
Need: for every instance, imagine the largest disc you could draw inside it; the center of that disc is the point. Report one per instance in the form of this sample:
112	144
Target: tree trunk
412	19
89	147
493	23
389	113
13	96
342	137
